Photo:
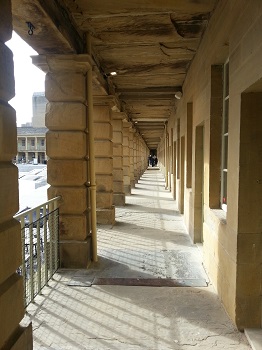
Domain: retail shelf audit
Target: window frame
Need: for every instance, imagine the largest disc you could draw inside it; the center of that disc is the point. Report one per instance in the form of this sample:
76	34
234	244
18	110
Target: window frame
224	153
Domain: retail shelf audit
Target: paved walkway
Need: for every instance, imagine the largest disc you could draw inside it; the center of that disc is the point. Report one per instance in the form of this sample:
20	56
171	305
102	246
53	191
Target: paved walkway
148	291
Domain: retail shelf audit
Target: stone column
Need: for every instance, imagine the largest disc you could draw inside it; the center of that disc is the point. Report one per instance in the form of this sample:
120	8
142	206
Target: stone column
132	156
139	163
126	157
118	175
67	148
135	157
104	160
12	335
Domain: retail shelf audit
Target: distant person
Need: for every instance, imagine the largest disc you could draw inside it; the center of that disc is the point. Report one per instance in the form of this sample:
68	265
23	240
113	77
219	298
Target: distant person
149	160
156	161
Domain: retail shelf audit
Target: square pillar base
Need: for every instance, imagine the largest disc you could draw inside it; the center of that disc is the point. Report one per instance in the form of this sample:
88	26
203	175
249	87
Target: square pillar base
119	199
127	189
75	254
105	216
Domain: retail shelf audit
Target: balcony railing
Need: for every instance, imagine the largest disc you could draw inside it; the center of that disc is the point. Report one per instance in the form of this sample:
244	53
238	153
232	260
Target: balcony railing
40	244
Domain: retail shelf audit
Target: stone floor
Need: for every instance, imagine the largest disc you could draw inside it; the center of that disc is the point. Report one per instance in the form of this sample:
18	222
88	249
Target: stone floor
149	289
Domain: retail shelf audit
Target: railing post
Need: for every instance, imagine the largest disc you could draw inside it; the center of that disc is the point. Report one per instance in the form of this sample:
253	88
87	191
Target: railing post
45	245
38	251
31	257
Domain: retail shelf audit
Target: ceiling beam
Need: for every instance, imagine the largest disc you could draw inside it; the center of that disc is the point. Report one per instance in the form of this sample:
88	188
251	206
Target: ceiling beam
150	90
53	26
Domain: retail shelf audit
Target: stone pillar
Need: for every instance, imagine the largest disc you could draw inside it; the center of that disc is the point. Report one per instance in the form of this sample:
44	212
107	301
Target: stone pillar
136	177
104	160
126	157
132	157
118	175
67	148
139	163
12	335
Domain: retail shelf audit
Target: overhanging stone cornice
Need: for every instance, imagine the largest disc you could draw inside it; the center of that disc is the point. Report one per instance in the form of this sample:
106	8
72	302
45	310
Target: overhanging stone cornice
63	63
110	100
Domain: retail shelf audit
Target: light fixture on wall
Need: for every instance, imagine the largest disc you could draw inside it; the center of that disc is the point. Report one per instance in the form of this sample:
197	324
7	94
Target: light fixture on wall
178	95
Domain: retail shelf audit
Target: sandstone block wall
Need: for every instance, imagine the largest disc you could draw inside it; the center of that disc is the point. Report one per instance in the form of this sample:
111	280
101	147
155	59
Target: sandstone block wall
231	239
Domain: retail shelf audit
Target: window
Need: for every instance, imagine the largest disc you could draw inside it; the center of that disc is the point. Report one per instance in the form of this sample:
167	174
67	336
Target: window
223	199
23	143
32	142
42	142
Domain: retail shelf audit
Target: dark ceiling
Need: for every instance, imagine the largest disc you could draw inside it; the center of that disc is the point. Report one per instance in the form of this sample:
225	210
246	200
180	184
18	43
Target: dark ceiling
148	43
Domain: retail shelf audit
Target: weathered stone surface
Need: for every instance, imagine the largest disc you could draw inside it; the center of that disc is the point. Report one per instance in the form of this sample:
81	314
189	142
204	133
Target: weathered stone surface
67	172
104	199
117	124
104	165
7	80
118	187
127	187
126	152
126	161
104	182
118	137
74	227
117	150
119	199
118	162
103	131
101	114
11	306
74	199
5	21
9	204
66	144
8	139
75	254
118	174
66	116
10	248
65	87
103	148
106	216
23	339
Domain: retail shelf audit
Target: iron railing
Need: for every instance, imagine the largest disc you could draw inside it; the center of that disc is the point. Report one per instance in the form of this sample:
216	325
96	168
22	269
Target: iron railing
40	256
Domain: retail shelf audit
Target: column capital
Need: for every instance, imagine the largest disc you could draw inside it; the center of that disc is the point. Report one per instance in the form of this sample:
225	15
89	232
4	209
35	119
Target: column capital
63	63
109	100
127	124
119	115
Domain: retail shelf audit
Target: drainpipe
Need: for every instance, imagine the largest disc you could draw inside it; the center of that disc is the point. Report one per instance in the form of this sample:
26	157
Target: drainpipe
90	118
166	154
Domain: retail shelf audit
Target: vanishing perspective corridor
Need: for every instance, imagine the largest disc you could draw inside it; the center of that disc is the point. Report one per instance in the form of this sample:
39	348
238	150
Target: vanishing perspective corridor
149	289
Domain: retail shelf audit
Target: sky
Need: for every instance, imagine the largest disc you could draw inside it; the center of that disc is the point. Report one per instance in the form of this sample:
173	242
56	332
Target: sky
28	79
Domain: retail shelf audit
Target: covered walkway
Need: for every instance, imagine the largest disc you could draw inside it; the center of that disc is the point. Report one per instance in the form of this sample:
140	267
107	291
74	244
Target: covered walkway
149	289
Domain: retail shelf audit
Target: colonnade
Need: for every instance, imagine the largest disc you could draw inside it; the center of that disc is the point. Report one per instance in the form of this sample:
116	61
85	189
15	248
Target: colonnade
119	158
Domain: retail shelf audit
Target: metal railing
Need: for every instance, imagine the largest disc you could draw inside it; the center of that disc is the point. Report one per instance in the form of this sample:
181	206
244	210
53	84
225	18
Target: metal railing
40	256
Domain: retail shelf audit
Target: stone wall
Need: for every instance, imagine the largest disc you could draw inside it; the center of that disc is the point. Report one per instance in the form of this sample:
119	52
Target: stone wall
231	239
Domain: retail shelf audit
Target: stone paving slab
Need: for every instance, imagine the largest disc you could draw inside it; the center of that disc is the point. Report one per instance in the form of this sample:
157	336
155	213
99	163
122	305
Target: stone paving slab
149	241
131	318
